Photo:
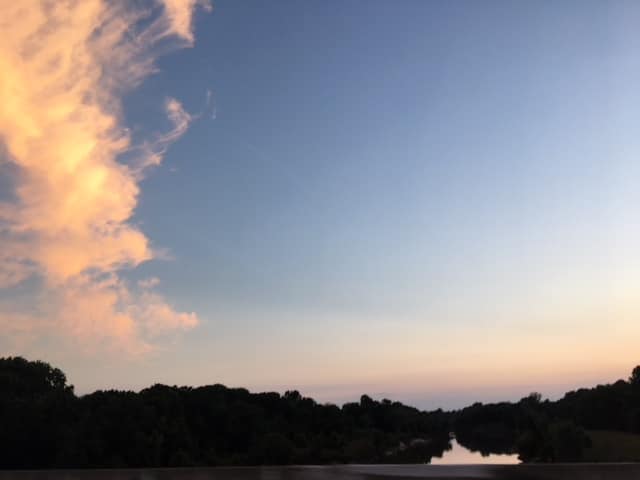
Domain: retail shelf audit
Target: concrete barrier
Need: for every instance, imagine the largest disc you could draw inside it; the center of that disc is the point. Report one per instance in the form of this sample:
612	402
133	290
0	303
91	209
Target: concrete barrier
601	471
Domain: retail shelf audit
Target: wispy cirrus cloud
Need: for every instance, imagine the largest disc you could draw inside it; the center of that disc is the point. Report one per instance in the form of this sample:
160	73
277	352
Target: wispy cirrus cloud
67	221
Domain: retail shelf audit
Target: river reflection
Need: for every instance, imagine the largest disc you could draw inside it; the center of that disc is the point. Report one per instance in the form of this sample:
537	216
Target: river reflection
458	455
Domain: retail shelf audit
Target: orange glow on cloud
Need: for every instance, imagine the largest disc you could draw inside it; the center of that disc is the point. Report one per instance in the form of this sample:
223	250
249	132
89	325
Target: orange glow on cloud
64	68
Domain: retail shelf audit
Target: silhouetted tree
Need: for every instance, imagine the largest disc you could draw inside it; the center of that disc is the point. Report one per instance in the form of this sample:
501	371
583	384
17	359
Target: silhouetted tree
44	425
634	379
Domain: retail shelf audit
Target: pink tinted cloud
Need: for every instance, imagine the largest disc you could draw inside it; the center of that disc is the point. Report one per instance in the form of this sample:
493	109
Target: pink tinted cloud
65	66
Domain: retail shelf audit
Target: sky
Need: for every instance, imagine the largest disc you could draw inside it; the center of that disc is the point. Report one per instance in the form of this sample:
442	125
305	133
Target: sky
435	202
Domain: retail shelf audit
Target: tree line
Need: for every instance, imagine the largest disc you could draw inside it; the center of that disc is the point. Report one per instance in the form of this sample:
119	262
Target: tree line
549	431
44	424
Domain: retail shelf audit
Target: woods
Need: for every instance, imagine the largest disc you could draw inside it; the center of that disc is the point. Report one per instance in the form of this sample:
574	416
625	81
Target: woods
45	425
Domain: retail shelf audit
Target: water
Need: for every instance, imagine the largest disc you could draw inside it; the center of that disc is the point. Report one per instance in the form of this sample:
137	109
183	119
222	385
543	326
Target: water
459	455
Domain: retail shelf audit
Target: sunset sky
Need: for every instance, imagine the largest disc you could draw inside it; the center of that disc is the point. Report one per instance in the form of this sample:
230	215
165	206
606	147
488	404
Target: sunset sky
432	201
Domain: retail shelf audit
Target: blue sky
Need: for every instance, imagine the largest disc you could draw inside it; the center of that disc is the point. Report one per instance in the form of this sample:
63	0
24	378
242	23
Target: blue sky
431	201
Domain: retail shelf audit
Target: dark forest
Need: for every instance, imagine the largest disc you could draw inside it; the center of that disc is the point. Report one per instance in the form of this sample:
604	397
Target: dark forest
45	425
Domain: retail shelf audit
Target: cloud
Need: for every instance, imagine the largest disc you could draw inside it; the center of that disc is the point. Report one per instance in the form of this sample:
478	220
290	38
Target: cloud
65	66
152	151
148	283
179	14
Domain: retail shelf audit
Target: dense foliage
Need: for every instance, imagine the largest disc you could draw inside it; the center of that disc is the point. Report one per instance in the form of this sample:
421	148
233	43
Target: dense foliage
551	431
45	425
